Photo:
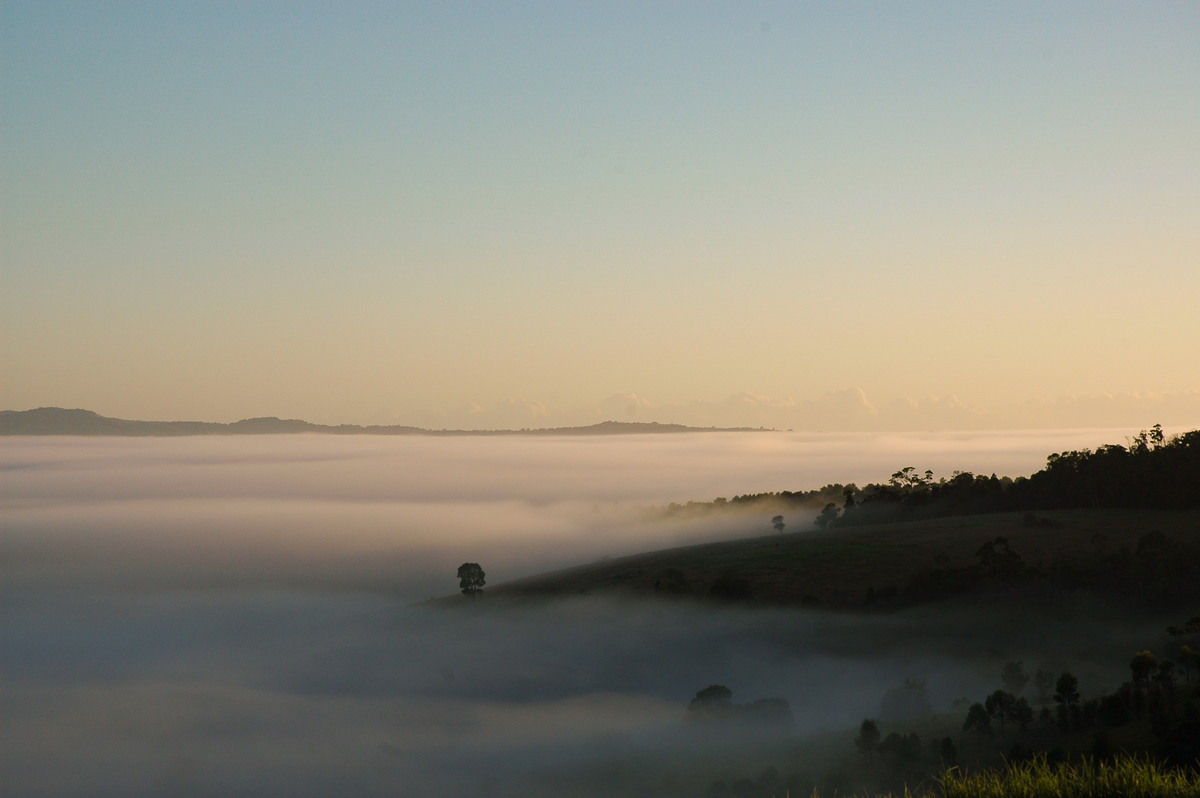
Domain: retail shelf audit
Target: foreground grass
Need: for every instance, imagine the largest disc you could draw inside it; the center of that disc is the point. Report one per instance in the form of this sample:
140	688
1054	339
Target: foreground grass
1124	777
1127	777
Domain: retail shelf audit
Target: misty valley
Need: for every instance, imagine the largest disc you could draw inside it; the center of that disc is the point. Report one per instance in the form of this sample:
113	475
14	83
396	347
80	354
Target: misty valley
683	615
599	399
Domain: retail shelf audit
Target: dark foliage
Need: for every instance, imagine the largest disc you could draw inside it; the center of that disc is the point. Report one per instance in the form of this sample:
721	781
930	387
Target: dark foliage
1152	472
1152	698
471	579
867	740
715	696
714	704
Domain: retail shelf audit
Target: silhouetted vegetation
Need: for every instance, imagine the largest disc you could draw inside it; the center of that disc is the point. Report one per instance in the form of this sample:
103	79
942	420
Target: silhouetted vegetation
1141	739
1152	471
471	579
1039	777
867	741
1030	718
1151	698
809	500
713	707
1121	776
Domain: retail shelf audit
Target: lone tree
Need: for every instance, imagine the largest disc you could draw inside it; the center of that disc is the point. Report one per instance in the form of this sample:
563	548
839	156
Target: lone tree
470	579
777	522
714	702
1143	665
867	741
1004	706
978	720
1066	695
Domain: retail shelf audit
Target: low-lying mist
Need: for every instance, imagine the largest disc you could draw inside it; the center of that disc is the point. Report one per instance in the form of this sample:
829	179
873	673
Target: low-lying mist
212	616
398	515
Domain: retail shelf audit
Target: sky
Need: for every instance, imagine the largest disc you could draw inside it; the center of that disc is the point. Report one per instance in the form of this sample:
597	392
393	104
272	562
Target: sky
830	216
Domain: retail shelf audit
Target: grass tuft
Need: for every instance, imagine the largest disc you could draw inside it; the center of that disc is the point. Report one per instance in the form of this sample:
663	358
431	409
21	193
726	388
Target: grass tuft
1124	777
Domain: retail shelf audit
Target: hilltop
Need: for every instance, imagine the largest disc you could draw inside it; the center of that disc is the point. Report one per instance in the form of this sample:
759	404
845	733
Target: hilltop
1119	522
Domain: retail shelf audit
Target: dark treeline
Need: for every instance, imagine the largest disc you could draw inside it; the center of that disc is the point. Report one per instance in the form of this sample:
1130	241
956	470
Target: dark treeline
783	500
1046	718
1057	718
1151	472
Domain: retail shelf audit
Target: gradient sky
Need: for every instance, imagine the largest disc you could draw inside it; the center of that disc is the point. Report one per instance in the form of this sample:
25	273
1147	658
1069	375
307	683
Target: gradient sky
810	215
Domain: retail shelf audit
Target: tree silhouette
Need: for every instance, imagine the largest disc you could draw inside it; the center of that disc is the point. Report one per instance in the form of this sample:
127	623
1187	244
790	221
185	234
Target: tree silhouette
1142	665
978	720
1022	713
948	752
1066	695
777	522
868	737
1066	689
713	703
715	695
1002	706
901	748
1189	659
827	515
470	579
998	560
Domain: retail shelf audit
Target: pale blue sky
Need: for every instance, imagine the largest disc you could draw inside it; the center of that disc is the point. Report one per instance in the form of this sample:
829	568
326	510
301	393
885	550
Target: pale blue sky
495	214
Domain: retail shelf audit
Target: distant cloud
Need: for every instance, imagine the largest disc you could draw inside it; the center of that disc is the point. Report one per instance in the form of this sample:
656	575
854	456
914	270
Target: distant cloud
624	407
931	413
519	413
1109	410
847	410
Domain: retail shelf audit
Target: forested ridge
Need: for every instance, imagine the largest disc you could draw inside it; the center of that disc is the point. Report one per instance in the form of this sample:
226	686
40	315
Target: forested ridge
1152	471
1116	522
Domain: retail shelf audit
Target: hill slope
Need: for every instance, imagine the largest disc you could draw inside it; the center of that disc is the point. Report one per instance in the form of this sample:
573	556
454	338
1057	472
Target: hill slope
1107	552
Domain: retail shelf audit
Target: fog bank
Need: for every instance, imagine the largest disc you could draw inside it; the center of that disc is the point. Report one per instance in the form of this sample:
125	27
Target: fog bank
399	514
235	615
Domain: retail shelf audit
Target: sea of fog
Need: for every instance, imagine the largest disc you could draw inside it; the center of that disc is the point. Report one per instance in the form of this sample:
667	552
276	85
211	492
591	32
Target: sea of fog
241	615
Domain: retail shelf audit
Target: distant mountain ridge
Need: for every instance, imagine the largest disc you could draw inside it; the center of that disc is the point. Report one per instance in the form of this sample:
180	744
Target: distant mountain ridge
60	421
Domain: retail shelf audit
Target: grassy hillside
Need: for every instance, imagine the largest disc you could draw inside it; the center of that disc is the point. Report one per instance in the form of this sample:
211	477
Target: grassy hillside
1124	576
889	564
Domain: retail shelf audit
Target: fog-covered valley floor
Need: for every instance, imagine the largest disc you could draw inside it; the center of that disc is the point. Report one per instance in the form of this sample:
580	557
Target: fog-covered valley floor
242	616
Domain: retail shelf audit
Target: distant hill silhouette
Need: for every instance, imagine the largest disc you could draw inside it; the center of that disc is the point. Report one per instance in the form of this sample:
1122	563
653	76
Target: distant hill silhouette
57	421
